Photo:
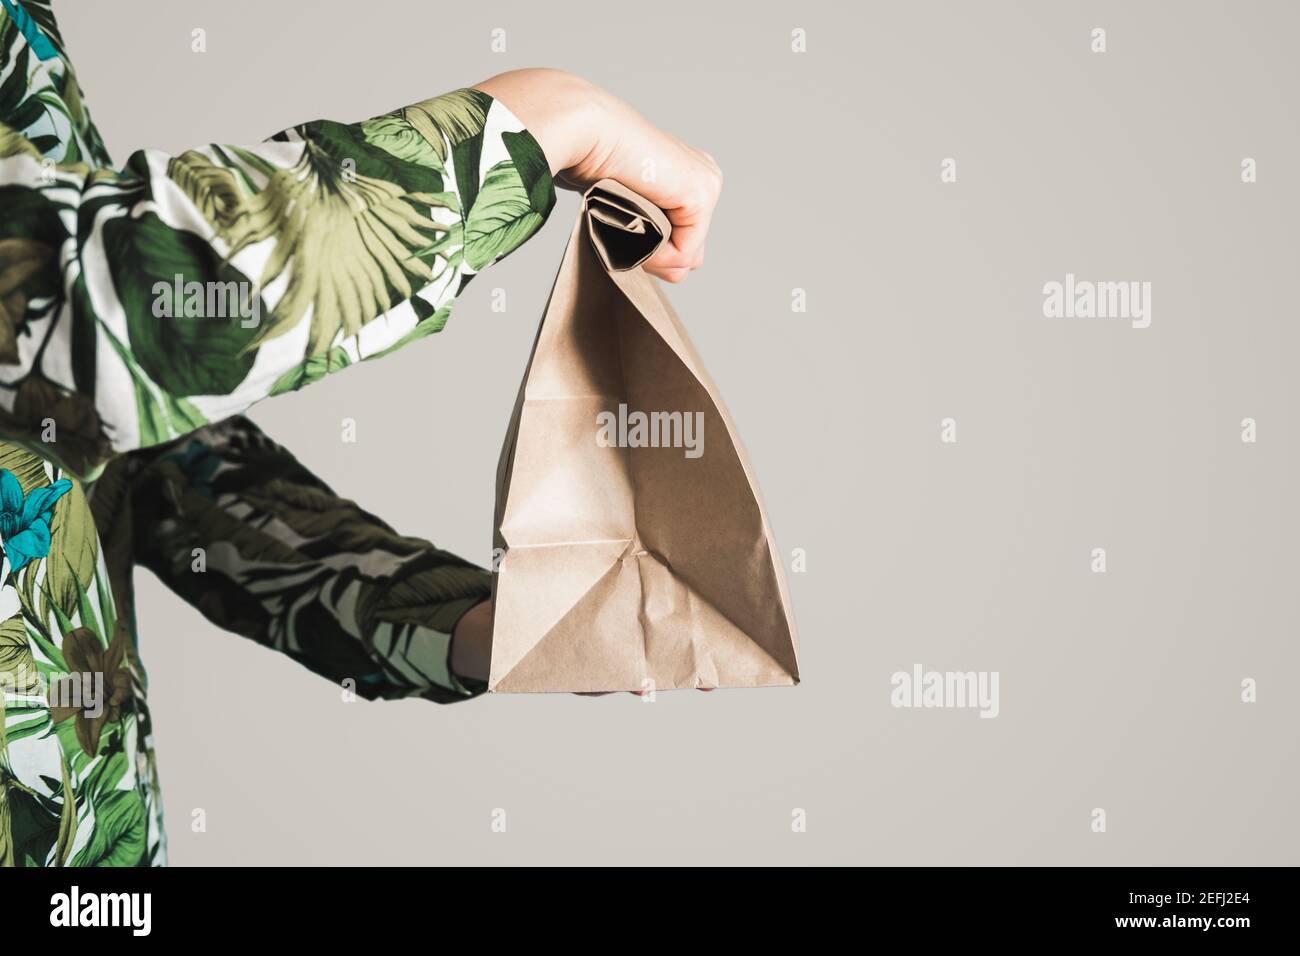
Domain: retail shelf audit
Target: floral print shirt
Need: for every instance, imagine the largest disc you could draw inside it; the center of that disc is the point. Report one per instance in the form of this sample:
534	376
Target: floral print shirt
142	310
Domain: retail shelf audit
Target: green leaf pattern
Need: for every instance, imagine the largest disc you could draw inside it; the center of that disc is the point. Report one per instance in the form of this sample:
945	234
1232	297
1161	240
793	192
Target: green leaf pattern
205	282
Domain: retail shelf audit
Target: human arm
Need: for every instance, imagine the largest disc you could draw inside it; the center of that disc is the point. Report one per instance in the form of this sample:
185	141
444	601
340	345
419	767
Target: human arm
233	524
143	302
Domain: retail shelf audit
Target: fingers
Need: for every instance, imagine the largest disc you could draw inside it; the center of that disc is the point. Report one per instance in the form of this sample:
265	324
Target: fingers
693	186
684	252
668	275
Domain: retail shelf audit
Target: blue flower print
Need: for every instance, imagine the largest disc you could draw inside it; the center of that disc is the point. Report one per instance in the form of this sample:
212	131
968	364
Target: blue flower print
25	520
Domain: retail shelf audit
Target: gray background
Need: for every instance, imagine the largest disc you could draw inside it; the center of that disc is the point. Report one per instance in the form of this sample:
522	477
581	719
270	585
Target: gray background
1118	691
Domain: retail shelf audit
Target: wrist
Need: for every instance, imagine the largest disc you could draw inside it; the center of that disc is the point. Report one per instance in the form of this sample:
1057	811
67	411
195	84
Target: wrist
563	112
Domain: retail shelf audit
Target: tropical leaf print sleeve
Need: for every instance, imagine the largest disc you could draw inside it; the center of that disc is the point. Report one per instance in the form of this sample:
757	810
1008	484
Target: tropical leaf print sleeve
139	304
234	525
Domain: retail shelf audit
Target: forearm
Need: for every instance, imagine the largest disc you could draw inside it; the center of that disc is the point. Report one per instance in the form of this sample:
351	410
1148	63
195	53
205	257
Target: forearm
236	526
129	328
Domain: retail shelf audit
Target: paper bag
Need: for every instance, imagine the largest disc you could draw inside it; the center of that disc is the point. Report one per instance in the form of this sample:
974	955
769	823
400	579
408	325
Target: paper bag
632	549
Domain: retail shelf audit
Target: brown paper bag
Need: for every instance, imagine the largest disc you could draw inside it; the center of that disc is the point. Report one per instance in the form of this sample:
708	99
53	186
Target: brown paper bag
622	565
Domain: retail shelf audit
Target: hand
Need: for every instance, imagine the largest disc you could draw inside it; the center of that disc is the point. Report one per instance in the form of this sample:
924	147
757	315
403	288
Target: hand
589	134
471	643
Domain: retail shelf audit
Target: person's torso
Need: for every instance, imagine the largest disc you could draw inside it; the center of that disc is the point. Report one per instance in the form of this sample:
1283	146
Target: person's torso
78	784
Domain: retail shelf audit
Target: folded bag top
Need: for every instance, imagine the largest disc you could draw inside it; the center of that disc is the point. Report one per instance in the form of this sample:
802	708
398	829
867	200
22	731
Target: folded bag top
632	547
624	229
